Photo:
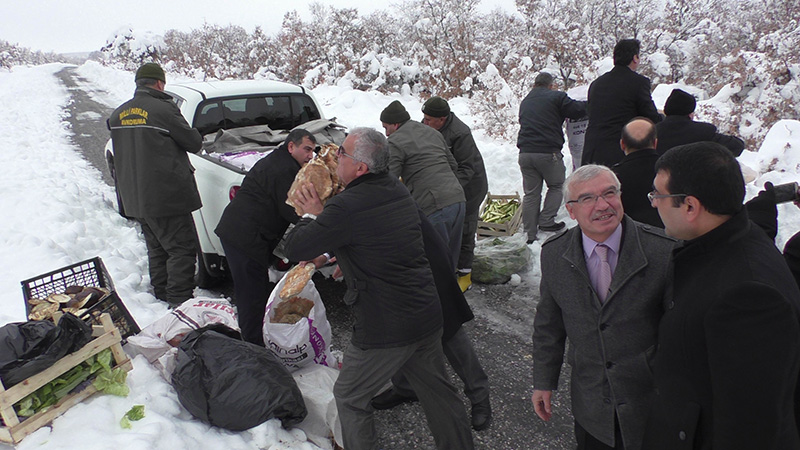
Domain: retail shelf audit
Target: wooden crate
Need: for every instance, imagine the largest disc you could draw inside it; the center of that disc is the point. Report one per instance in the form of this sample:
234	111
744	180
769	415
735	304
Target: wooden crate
14	430
490	229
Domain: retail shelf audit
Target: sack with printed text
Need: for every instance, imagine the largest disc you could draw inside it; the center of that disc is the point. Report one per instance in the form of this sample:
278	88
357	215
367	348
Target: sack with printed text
158	342
296	329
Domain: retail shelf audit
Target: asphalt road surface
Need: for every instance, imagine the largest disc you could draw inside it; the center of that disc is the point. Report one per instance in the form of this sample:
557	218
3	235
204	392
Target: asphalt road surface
501	333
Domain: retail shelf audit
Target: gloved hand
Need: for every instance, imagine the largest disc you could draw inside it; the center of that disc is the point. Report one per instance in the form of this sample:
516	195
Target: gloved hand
763	212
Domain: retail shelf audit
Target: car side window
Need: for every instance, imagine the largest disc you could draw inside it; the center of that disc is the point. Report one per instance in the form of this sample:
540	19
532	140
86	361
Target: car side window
303	110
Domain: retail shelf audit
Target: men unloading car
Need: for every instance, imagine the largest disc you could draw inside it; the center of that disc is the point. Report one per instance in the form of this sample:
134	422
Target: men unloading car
253	224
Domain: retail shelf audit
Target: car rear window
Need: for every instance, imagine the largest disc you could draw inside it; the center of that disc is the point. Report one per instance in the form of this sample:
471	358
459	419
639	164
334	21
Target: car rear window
279	112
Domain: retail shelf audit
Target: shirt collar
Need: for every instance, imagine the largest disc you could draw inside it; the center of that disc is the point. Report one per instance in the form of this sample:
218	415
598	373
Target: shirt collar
613	242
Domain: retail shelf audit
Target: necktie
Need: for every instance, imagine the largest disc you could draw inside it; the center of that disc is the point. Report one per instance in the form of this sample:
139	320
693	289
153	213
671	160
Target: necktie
604	277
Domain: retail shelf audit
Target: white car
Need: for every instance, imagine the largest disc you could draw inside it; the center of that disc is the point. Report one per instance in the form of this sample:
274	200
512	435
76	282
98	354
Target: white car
241	122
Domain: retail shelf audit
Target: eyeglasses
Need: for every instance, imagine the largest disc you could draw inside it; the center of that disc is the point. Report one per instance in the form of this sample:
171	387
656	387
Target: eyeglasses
591	199
654	195
340	152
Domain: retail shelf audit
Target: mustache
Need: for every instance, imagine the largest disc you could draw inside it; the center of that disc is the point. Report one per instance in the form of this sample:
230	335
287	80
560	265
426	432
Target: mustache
609	210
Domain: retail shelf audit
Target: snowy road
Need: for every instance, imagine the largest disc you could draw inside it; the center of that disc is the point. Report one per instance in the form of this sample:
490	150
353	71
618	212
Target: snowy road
501	331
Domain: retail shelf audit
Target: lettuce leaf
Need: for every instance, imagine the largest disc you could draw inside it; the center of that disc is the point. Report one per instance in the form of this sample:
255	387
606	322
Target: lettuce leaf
112	382
133	414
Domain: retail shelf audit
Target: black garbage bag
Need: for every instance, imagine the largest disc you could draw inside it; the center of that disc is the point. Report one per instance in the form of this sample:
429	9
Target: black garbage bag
227	382
27	348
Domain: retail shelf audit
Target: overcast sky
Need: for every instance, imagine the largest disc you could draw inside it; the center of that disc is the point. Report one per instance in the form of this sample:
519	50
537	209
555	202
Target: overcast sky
84	25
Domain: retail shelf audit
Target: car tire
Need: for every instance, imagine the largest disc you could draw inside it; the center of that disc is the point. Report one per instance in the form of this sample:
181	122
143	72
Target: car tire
203	278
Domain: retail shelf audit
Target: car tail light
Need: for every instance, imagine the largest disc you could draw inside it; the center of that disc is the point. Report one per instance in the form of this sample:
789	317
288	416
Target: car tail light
232	192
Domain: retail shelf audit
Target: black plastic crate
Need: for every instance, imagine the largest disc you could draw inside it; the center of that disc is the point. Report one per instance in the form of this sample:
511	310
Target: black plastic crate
91	272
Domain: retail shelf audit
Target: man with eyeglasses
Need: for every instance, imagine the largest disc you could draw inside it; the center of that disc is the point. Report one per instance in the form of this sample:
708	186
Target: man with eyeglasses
374	228
603	286
728	356
254	222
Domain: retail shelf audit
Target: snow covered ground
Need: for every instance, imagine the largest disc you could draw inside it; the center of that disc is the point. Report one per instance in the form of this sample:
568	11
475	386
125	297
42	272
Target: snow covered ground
57	211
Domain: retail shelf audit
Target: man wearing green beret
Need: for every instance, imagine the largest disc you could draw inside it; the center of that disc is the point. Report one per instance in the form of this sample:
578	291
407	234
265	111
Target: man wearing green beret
471	175
156	182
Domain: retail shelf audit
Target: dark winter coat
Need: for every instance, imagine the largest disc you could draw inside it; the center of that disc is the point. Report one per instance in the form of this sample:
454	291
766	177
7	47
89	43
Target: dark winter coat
256	219
420	157
615	98
678	130
373	227
471	172
791	252
636	172
728	346
455	309
151	140
612	344
541	119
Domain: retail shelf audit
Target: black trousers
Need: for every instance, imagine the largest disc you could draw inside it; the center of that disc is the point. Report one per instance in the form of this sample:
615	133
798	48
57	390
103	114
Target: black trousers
588	442
471	213
172	253
251	287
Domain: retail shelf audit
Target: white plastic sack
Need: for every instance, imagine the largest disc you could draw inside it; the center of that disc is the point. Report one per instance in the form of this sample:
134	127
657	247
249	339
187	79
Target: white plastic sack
316	383
159	340
305	342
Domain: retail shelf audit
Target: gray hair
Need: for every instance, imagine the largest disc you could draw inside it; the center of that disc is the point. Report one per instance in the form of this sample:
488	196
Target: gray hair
371	148
544	79
587	173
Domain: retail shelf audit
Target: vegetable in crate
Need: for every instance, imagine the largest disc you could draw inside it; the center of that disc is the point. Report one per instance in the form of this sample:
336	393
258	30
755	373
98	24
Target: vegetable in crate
107	380
500	211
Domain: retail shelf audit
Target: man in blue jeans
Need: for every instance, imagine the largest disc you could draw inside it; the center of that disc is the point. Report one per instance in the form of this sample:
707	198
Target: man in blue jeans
419	156
541	137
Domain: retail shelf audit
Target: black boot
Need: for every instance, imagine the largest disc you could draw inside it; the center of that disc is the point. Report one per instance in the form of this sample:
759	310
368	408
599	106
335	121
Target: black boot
481	415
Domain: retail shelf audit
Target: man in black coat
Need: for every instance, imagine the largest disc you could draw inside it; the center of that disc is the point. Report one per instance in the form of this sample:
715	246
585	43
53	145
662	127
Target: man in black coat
636	170
728	354
679	127
471	175
155	181
373	228
615	98
254	222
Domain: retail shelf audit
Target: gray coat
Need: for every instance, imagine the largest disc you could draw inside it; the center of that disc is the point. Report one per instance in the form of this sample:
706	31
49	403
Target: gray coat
611	344
419	155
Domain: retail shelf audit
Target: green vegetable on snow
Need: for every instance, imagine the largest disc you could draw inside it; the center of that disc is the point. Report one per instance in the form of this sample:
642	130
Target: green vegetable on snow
133	414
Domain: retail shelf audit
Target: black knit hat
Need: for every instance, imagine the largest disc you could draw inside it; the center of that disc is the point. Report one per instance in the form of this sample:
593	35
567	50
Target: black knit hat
395	113
152	71
679	103
436	107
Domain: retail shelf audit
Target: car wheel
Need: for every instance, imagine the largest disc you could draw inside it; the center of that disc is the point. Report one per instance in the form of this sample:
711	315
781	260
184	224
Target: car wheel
203	278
